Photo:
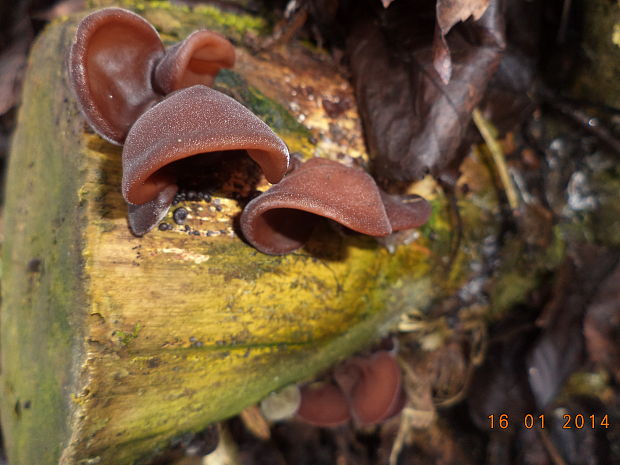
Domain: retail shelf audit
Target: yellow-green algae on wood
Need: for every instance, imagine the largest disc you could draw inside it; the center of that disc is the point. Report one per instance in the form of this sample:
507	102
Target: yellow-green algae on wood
113	345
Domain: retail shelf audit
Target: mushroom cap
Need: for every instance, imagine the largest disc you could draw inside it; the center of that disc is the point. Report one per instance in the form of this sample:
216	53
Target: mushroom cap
196	60
406	211
372	387
281	219
142	218
110	66
188	122
323	404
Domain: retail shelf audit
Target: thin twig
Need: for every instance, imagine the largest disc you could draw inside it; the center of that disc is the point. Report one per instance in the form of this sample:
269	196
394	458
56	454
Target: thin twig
553	452
566	7
485	129
589	123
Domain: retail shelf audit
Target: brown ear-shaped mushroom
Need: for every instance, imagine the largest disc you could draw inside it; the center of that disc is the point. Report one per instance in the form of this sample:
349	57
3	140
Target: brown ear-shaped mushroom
193	121
323	404
110	68
281	219
406	212
196	60
372	386
143	217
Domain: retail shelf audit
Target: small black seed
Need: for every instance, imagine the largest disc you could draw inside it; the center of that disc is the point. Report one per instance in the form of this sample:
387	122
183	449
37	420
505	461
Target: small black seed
207	197
196	233
223	231
180	215
192	339
218	208
187	228
34	265
210	233
164	226
27	404
191	195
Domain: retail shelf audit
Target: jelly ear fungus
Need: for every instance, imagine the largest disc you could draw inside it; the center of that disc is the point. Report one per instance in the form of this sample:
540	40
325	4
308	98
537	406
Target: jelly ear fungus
192	121
111	63
155	101
367	389
121	75
373	387
196	60
118	67
281	220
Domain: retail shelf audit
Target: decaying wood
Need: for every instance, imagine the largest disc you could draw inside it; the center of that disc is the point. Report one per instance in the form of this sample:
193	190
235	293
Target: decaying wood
114	345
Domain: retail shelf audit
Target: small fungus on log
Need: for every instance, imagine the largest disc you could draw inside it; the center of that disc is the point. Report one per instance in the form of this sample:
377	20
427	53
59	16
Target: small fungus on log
281	220
192	121
367	389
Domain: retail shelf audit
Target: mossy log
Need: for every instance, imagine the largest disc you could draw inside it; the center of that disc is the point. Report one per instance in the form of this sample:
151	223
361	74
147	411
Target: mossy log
114	345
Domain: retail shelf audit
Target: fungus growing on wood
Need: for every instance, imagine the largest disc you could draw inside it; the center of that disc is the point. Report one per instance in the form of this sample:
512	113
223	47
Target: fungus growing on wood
192	121
111	63
281	220
406	211
323	404
372	386
196	60
118	68
367	389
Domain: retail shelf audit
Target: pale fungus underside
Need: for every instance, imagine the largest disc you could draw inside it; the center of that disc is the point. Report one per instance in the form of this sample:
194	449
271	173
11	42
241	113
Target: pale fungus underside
119	344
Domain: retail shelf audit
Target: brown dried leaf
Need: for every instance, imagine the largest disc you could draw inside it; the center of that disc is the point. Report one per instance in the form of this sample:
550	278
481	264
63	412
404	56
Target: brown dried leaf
558	351
450	12
414	122
13	65
500	384
602	325
509	97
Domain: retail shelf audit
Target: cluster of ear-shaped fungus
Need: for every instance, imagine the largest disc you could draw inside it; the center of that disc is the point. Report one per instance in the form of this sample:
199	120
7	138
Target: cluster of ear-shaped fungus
157	104
119	67
365	389
209	122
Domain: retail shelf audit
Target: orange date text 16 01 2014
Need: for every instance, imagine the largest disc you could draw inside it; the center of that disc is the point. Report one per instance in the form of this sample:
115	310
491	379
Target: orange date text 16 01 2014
569	421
